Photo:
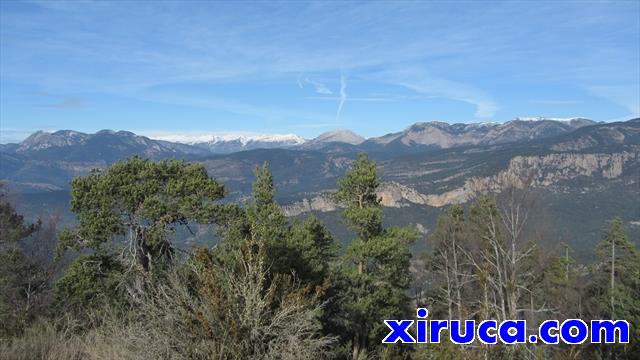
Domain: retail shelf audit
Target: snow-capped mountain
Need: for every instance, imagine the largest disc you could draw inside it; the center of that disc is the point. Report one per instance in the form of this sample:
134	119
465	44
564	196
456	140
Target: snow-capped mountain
228	143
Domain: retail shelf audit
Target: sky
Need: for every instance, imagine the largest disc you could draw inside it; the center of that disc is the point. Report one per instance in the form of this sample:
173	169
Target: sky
192	67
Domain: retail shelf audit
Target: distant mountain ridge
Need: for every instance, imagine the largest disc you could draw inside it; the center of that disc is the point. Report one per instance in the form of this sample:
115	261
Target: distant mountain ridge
417	136
46	161
108	145
444	135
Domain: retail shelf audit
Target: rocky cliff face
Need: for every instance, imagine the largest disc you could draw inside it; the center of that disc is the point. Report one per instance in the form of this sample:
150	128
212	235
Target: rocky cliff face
549	171
551	168
322	203
546	171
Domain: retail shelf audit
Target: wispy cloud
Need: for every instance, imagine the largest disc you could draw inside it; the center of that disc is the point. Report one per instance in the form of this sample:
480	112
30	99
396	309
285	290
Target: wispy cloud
233	106
299	80
66	103
363	99
317	125
119	53
556	102
204	47
421	81
320	88
626	96
343	95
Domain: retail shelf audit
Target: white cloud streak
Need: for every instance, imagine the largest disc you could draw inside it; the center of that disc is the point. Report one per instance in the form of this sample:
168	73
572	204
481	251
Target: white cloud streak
320	88
626	96
421	81
362	99
299	80
343	95
556	102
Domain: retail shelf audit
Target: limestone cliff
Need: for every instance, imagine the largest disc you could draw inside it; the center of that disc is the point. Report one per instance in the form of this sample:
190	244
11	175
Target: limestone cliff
545	171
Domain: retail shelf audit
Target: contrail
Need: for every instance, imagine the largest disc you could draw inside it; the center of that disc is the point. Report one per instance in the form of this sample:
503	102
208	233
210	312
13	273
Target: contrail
343	95
300	80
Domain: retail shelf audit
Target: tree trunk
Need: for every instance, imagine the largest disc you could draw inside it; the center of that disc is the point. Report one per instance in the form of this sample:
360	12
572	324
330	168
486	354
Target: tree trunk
356	346
613	270
456	273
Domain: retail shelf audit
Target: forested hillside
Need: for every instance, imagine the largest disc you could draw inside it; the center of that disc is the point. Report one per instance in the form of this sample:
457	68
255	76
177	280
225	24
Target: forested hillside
116	285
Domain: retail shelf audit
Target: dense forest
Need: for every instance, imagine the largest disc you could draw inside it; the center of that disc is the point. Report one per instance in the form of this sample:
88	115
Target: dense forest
117	286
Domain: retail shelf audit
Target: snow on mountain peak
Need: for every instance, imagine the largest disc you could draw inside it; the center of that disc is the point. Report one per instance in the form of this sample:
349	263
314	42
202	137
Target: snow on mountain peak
543	118
243	138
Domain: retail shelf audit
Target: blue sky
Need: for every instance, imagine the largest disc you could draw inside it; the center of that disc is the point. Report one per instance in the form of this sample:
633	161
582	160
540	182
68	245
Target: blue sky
308	67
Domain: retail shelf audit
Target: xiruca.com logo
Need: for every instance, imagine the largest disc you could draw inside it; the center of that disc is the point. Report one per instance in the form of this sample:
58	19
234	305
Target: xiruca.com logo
490	332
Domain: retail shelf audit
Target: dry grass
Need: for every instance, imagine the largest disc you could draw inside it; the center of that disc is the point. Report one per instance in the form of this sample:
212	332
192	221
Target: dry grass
42	341
230	315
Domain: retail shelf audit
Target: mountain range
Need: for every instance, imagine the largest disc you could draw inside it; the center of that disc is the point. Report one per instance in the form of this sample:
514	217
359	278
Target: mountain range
583	172
416	137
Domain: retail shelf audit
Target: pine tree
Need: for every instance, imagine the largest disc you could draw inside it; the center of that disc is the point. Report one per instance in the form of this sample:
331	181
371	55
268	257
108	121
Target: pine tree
126	216
143	202
304	249
13	227
615	288
316	251
378	277
19	276
267	222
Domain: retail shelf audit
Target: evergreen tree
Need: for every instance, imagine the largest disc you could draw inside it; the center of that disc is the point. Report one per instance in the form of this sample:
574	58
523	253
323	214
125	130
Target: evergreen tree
13	227
377	271
90	283
615	287
20	277
267	222
141	201
126	215
316	249
305	249
560	282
